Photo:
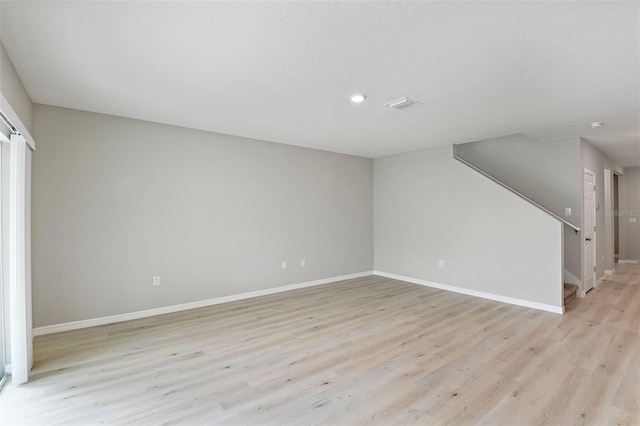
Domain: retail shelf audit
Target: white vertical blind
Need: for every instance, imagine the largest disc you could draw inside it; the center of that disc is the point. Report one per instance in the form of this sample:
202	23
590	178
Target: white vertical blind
18	292
27	254
3	294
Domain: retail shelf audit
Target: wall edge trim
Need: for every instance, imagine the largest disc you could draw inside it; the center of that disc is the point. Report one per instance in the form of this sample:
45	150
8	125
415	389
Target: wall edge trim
92	322
481	294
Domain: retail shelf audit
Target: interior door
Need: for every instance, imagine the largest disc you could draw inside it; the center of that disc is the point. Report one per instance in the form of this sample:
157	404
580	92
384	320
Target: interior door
589	273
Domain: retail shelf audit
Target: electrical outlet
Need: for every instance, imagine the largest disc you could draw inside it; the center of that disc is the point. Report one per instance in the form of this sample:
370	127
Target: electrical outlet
156	280
303	262
284	264
441	263
567	211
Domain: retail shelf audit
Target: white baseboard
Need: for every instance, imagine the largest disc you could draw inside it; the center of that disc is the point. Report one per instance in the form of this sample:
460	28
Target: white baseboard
609	271
490	296
75	325
622	261
635	262
569	278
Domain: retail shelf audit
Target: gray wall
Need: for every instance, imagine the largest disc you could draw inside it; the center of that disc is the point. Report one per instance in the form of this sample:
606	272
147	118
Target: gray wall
632	210
596	161
428	207
13	90
118	201
544	172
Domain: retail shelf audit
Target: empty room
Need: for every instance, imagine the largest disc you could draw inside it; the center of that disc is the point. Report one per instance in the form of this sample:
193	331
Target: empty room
322	212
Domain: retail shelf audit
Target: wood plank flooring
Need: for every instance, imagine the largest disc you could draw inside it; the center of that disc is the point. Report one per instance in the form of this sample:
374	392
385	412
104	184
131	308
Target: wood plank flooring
365	351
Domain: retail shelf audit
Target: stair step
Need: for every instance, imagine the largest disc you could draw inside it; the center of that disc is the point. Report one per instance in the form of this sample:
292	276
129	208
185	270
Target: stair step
570	290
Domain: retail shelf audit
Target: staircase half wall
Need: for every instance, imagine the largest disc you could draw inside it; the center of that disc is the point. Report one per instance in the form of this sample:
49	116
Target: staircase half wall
429	208
546	173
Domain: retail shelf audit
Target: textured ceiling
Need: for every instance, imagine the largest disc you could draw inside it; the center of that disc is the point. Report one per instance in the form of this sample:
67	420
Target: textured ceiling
283	72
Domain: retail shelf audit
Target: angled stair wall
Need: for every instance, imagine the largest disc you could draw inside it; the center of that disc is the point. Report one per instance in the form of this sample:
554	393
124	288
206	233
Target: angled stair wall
545	173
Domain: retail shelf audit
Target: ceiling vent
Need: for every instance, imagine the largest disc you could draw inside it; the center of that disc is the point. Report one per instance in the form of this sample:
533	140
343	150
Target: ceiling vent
402	102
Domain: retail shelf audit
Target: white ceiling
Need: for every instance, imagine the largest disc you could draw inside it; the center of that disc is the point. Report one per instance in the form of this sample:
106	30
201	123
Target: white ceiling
283	71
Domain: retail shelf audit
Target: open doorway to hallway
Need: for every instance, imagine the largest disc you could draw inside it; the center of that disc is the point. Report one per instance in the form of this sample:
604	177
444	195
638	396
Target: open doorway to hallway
614	229
616	220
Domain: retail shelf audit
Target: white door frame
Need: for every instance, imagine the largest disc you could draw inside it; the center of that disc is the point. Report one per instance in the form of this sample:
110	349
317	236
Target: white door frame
608	237
589	235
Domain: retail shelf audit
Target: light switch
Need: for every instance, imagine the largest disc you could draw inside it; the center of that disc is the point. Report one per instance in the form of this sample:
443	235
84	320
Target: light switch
567	211
632	220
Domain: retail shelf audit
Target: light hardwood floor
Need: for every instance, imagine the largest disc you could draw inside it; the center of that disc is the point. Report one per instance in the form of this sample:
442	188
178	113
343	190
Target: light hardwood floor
366	351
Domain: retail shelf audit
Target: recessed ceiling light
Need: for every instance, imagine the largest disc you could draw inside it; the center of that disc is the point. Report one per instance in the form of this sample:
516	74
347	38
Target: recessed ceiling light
356	99
596	124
